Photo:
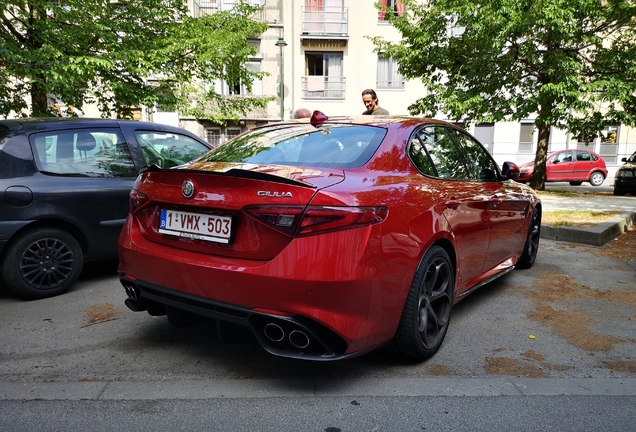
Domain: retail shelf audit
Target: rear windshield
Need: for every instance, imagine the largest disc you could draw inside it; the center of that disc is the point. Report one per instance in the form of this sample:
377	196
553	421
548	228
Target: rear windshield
338	146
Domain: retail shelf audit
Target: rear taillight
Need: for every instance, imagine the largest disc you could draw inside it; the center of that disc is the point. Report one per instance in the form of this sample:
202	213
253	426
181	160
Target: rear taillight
283	218
136	199
301	220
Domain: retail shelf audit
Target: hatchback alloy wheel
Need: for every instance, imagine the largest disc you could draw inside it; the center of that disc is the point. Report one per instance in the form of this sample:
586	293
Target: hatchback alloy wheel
597	178
42	263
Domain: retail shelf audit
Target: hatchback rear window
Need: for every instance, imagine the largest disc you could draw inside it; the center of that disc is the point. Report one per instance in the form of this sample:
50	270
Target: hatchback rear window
337	145
98	152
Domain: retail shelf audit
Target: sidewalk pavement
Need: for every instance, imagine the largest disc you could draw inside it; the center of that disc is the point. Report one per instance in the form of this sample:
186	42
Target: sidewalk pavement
599	234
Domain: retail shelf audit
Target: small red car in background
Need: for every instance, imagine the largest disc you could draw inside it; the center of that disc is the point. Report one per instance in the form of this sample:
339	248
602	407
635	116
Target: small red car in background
328	238
574	166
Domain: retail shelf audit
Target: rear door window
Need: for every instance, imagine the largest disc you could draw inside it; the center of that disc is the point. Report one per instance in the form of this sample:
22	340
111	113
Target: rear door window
444	158
483	166
95	152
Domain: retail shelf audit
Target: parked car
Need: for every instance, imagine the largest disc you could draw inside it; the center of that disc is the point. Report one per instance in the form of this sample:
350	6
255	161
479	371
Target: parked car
65	185
574	166
625	177
328	238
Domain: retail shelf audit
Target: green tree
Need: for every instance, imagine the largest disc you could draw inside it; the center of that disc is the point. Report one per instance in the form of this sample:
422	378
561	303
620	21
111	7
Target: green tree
120	54
572	63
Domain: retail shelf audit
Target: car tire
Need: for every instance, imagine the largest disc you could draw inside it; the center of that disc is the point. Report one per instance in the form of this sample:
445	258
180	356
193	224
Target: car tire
427	311
531	245
42	262
597	178
576	183
619	192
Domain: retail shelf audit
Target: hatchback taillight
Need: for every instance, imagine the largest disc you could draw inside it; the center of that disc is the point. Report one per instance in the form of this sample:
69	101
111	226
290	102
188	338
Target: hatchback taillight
136	199
300	220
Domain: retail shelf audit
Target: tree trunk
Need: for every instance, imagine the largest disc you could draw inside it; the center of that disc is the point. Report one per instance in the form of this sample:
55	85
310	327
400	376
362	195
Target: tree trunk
39	101
537	181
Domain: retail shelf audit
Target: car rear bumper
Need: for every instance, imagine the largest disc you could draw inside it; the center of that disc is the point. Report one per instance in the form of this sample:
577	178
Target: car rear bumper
288	336
344	298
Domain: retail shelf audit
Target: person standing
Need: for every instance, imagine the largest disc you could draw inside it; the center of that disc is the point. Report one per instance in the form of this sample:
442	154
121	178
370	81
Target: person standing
370	100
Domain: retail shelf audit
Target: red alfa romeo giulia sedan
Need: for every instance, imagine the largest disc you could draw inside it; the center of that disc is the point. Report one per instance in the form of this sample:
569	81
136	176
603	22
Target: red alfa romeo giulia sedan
328	238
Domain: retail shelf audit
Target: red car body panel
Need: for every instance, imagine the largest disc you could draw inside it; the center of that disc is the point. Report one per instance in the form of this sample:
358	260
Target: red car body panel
353	281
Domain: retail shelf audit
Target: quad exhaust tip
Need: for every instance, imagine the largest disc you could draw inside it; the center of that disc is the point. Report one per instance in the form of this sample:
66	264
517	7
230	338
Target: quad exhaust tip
297	338
132	292
274	332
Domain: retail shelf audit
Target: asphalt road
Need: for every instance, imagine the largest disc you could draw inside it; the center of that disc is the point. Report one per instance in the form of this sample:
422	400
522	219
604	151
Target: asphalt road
550	348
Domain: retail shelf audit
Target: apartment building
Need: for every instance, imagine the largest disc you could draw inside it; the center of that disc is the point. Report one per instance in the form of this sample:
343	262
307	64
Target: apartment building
319	54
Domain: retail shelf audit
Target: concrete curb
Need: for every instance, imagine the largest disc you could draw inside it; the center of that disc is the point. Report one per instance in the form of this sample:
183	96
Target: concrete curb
595	236
264	388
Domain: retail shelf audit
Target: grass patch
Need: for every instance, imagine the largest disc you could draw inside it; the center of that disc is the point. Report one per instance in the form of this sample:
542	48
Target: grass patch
579	218
558	192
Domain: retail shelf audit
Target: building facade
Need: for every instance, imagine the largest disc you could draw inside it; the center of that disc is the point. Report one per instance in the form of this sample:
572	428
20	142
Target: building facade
319	53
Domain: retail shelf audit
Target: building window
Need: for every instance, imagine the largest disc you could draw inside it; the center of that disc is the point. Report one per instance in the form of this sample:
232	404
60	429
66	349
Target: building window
390	6
525	137
325	17
234	85
485	134
609	149
217	136
323	76
388	75
231	133
213	136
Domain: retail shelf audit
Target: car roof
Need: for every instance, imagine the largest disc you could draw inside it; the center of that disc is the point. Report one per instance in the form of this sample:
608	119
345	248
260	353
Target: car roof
380	121
45	123
41	124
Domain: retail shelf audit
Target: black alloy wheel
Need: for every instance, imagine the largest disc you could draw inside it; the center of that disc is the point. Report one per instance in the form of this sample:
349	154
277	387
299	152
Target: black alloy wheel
42	262
428	307
531	246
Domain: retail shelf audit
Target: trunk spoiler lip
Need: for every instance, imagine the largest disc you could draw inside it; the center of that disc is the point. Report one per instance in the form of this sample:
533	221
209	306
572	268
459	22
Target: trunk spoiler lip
236	172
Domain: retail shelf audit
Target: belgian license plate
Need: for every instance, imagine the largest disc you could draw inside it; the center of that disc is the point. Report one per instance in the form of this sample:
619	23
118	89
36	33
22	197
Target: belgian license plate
196	226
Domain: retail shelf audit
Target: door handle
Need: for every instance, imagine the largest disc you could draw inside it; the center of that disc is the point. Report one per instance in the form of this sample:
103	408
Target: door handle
452	203
497	198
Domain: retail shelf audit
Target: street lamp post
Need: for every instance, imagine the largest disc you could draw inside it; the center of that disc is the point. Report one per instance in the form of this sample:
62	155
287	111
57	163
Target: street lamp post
280	43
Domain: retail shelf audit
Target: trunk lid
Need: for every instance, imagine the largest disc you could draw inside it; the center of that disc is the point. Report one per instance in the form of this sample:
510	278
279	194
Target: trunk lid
210	207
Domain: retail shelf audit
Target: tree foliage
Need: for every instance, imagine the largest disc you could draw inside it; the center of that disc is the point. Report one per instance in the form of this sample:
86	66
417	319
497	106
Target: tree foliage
120	54
572	63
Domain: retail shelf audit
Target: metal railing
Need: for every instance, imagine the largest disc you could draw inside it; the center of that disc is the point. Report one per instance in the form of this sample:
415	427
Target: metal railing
325	21
203	7
323	87
390	84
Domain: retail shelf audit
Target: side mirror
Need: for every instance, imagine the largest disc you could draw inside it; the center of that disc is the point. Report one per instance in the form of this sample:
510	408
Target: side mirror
510	171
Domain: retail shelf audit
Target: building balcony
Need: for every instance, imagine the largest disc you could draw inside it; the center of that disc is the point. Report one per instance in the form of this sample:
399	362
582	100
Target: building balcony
325	23
203	7
318	87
